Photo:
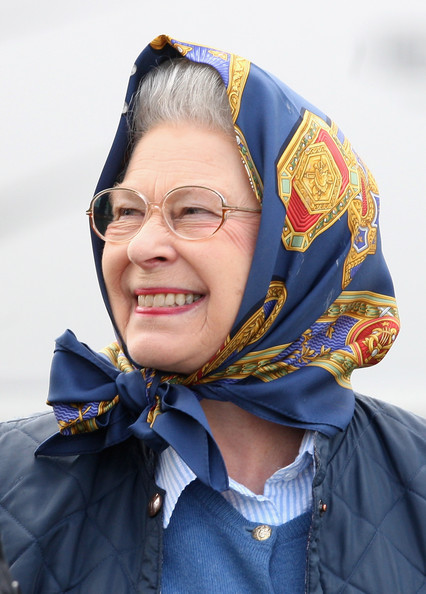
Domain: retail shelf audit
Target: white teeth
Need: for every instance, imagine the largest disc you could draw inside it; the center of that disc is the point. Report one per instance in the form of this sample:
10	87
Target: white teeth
180	299
170	299
159	300
167	299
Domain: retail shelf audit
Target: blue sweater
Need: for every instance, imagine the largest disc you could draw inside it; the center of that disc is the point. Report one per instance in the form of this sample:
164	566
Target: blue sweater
210	547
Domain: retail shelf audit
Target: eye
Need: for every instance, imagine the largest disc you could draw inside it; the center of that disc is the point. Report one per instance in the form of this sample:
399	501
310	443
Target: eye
193	203
194	211
127	212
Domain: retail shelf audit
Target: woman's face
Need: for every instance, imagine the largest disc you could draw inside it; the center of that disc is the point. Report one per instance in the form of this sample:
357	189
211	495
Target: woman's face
206	278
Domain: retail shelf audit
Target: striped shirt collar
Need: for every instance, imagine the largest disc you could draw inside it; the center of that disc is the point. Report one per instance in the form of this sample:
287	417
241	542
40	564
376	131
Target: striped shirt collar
173	475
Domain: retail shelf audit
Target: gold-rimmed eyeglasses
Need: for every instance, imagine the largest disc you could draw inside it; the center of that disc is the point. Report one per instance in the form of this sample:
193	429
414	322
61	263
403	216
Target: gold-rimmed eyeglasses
191	212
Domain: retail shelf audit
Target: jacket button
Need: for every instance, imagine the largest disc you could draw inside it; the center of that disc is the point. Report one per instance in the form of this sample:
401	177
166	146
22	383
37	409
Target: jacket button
322	507
154	505
262	532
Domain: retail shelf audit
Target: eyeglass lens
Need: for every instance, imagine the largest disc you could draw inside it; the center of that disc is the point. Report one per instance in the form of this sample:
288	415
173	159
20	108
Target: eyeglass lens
191	212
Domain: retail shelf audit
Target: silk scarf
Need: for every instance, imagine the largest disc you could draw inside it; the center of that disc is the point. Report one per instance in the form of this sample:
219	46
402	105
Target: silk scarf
319	301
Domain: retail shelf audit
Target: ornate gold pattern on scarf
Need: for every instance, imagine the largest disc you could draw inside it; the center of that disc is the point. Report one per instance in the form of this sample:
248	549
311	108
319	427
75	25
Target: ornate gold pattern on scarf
363	305
253	329
238	74
181	48
253	175
375	326
219	54
160	41
256	364
362	220
117	357
79	423
154	412
317	179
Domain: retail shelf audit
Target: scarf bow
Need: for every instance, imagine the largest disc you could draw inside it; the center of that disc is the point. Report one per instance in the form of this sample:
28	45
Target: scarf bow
99	406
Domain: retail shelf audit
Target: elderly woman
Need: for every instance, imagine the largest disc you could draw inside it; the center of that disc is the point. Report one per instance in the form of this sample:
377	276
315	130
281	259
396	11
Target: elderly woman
217	445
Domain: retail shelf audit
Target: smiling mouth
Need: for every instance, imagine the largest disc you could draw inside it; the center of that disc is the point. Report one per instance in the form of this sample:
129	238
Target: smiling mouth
167	299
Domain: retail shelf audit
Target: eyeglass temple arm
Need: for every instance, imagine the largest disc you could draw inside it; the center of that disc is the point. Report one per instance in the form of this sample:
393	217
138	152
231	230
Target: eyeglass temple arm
230	208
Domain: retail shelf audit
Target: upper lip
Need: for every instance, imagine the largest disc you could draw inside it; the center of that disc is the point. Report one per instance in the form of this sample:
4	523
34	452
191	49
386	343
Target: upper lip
158	290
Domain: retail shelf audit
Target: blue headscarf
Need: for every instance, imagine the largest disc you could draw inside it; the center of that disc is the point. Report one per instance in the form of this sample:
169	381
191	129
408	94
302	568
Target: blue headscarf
319	300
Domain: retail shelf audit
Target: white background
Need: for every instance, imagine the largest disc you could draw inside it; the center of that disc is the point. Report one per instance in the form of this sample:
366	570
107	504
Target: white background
64	70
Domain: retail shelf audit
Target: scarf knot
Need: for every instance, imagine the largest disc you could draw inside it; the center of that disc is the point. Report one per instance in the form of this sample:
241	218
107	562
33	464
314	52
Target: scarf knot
97	405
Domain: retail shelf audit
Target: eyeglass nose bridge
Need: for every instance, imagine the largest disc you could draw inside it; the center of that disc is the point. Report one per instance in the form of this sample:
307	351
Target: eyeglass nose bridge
150	207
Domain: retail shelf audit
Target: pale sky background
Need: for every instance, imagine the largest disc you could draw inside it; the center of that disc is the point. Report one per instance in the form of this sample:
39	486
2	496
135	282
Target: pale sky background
64	70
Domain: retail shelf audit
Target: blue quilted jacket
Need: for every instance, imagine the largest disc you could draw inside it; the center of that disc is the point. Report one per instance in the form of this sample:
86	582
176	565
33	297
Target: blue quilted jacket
92	524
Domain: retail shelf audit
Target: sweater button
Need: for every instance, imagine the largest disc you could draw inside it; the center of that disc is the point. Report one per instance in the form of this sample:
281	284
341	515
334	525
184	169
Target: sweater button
262	532
154	505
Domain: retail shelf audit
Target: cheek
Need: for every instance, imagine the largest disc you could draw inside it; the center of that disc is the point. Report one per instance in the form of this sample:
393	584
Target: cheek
114	263
241	237
230	260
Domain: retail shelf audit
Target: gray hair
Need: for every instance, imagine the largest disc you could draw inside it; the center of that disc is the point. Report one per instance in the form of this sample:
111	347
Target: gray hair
182	91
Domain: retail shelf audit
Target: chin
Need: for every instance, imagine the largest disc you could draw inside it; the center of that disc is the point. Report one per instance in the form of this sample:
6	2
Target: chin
147	358
160	352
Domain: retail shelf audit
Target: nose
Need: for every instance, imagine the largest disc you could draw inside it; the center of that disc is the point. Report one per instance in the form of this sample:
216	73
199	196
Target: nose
154	243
